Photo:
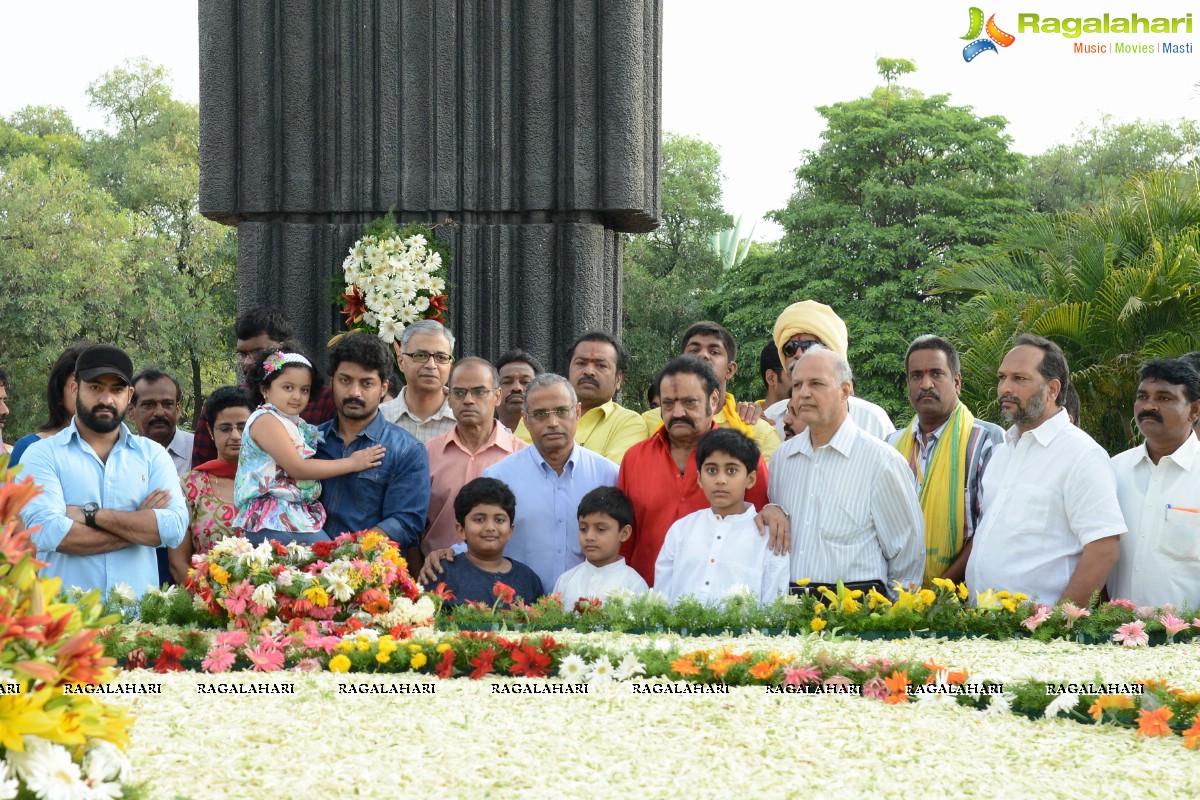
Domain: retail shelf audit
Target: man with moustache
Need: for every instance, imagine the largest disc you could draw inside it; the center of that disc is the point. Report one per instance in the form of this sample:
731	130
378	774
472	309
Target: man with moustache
517	369
660	475
596	366
947	449
1158	487
477	441
392	498
108	498
155	411
1051	524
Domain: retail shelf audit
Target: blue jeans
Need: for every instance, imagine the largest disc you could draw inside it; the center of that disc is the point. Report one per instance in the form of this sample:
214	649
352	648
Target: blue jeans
285	537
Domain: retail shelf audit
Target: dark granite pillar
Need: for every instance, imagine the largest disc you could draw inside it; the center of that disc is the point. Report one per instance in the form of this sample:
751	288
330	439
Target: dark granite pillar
532	124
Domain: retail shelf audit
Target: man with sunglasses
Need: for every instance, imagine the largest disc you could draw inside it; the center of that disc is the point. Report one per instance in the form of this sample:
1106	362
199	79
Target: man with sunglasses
393	497
799	327
425	353
476	441
548	479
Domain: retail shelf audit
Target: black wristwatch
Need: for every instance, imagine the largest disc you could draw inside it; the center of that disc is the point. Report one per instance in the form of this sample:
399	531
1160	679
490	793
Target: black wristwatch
89	514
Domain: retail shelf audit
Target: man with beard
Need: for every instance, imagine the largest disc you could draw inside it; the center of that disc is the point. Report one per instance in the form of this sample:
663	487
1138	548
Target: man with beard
1158	487
947	449
393	497
155	411
660	475
1051	525
108	498
476	442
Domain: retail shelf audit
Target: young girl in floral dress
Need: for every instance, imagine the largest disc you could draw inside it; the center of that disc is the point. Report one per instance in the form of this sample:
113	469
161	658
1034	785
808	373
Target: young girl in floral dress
277	485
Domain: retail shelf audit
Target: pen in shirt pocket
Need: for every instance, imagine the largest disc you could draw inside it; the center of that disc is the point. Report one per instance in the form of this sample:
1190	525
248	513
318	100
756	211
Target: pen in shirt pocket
1182	508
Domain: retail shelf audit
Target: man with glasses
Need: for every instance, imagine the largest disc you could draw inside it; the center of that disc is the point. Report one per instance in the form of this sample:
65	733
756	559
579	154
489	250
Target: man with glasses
799	327
548	479
476	441
425	353
660	474
393	497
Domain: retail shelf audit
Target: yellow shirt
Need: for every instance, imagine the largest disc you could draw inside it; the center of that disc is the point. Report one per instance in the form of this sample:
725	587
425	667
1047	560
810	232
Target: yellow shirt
609	430
765	435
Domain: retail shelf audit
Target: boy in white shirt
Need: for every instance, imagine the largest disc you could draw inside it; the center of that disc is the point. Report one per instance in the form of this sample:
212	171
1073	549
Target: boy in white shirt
709	552
605	521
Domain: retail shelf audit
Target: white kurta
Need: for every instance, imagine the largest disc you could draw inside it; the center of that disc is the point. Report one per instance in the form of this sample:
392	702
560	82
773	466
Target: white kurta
585	580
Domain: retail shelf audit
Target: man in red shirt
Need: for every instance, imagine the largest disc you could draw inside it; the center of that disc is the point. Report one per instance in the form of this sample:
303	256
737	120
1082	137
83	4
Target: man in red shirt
660	475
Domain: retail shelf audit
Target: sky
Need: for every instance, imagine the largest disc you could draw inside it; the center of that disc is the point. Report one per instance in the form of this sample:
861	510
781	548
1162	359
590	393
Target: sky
746	76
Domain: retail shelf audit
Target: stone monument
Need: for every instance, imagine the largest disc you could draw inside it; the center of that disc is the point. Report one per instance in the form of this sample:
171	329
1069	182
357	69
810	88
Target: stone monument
533	125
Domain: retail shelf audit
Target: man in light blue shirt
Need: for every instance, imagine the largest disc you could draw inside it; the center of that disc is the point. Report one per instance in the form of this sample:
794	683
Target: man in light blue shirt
548	479
108	498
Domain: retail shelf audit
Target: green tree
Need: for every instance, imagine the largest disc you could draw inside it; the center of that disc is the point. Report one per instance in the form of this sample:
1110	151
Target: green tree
668	274
1095	165
1113	285
901	185
149	162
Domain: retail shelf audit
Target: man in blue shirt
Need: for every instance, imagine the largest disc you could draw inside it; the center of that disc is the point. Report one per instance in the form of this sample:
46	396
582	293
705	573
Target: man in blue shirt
108	498
548	479
392	498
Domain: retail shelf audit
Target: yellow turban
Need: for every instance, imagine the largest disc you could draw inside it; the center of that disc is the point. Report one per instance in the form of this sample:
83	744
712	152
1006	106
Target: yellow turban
809	316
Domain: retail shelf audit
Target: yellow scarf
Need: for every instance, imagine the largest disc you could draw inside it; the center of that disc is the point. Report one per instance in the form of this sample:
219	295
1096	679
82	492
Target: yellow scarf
943	500
732	420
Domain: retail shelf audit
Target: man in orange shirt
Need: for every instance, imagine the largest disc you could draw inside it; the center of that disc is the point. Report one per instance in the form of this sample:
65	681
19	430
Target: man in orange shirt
660	475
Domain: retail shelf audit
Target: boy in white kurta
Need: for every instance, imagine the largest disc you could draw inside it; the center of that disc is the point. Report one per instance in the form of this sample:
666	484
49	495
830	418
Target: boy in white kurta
710	552
605	521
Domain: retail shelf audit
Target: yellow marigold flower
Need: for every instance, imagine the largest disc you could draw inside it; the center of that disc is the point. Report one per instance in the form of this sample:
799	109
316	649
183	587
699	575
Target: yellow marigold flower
943	583
387	644
441	648
817	624
316	595
850	605
804	582
414	648
819	608
928	597
419	660
219	575
963	591
363	644
1020	598
382	657
874	599
1002	595
1009	605
371	540
339	663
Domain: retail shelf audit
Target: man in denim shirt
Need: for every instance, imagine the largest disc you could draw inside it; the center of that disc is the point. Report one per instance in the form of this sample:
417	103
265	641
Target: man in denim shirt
392	498
108	498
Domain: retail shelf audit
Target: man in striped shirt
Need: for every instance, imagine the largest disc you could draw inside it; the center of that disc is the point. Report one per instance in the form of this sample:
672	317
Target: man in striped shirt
849	496
947	449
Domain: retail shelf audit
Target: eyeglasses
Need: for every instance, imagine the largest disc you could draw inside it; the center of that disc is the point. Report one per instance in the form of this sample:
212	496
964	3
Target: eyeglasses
476	391
421	356
790	348
543	414
226	428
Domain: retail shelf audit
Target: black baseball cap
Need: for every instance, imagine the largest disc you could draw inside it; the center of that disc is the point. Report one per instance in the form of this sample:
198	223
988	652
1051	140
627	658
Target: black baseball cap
103	359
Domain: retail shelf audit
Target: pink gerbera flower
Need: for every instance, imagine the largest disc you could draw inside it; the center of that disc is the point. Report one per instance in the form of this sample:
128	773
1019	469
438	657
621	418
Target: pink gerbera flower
1173	624
265	659
1122	603
231	639
875	688
1037	618
1073	612
1132	634
218	659
238	597
799	676
309	665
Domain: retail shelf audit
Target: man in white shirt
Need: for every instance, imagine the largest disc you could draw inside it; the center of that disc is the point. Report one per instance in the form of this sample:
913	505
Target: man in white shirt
155	411
849	496
802	325
1051	525
425	353
1158	487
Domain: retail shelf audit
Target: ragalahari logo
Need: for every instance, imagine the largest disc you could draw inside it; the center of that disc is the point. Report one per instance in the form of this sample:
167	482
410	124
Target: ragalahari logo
995	36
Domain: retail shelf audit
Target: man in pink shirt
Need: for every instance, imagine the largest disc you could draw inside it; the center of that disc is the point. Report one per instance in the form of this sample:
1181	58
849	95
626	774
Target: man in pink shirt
474	443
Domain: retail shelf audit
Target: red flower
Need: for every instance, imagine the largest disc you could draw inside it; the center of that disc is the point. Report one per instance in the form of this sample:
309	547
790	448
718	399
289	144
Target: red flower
483	663
438	306
503	592
280	550
443	591
169	660
322	549
136	659
586	604
548	644
401	631
355	305
375	601
528	661
445	667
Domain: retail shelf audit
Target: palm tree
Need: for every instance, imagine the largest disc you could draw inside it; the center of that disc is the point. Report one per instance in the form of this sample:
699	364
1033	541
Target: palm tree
1113	285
